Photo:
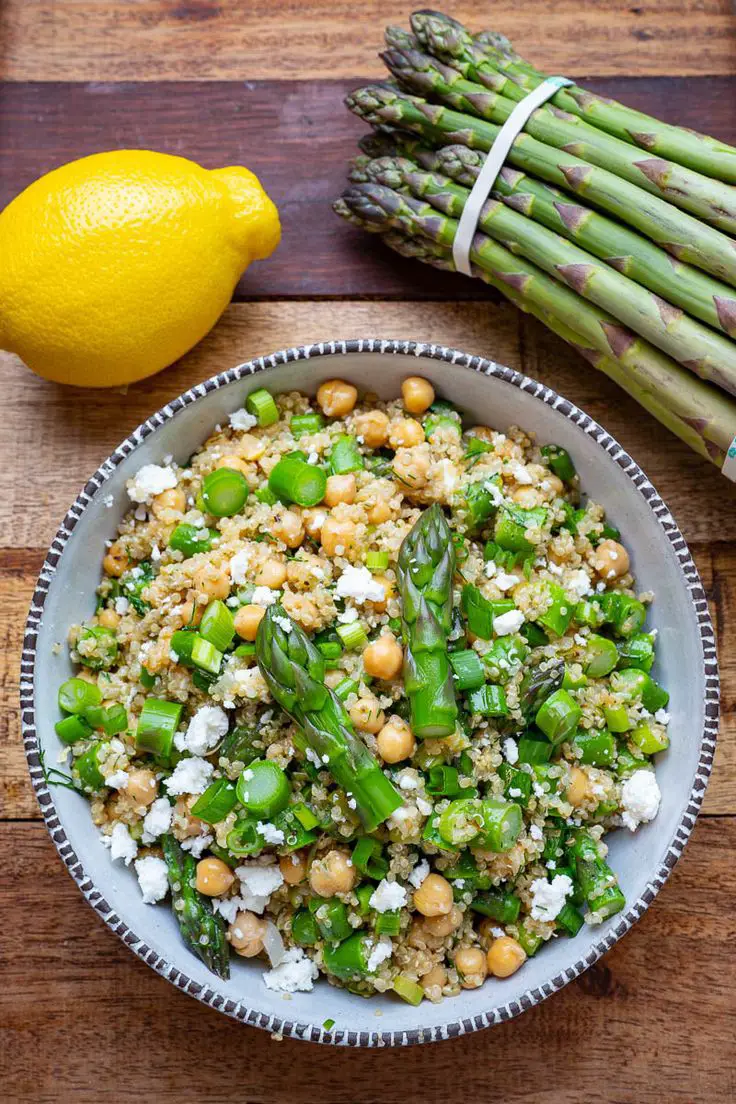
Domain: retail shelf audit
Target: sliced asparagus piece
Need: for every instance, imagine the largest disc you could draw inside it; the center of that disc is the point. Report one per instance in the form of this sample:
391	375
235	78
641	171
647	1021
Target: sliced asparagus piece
202	931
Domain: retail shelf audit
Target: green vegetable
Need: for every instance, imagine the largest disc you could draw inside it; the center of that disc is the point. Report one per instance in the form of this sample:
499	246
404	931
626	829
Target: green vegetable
638	652
87	767
444	781
97	647
558	717
263	788
77	695
345	456
367	858
635	683
294	480
332	918
569	919
71	729
239	746
188	539
262	406
512	524
409	991
425	569
559	613
134	582
538	684
216	802
479	505
504	658
201	929
224	492
501	905
488	823
560	462
348	960
304	928
518	785
192	650
647	740
376	561
353	635
596	748
217	625
480	612
534	748
467	669
597	881
245	837
489	701
601	656
157	724
304	424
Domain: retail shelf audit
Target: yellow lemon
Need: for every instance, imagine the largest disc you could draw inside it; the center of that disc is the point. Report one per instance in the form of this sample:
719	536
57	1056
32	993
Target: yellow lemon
115	265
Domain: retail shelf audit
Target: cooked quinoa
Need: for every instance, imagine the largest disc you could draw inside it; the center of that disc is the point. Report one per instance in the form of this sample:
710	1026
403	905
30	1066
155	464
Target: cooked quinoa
255	598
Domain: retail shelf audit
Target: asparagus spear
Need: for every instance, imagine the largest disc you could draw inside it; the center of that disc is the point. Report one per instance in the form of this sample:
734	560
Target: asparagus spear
623	249
294	669
202	931
708	199
450	41
699	348
597	881
677	232
425	567
698	413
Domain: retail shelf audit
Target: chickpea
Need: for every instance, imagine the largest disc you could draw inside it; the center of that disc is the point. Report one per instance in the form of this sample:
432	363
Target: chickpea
372	427
441	926
383	658
173	501
186	823
405	433
142	786
418	394
395	741
288	527
505	956
340	488
314	519
214	877
333	873
271	573
554	485
380	512
411	467
611	560
436	978
526	496
338	537
234	463
117	561
191	613
472	966
247	620
367	715
109	619
251	448
389	591
336	397
211	581
579	789
434	896
246	934
293	867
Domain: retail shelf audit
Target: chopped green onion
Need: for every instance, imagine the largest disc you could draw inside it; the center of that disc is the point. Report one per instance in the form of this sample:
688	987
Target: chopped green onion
217	625
332	918
518	784
303	424
529	941
636	683
77	695
512	522
440	421
559	613
189	539
73	728
345	688
569	919
101	647
216	802
489	701
574	679
246	649
409	991
637	652
114	719
367	857
504	658
87	767
305	816
147	680
224	491
479	504
444	781
601	656
245	838
157	724
647	740
589	613
353	635
265	494
617	718
560	462
330	649
388	923
348	960
376	561
261	405
304	929
294	480
263	788
480	613
468	670
597	748
559	716
499	904
345	456
534	749
191	650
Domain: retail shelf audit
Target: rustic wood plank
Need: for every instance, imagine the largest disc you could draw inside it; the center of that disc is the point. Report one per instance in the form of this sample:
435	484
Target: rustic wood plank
298	137
84	432
225	40
601	1039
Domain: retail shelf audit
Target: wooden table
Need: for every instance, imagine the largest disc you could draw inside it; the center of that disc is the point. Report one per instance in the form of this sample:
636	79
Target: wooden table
261	84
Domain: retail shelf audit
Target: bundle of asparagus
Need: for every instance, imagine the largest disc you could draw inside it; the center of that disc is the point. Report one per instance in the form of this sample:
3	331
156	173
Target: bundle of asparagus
641	282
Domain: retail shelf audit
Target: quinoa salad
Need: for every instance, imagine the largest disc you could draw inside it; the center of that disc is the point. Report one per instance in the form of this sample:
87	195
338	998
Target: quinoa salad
365	688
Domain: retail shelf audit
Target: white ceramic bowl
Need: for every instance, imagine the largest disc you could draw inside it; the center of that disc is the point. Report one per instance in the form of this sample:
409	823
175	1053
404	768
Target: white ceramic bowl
490	394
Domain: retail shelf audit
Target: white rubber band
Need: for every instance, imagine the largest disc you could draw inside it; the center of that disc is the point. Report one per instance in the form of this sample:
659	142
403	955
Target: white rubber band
492	165
729	464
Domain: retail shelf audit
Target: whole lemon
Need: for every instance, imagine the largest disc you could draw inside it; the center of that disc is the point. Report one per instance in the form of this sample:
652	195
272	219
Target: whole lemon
116	264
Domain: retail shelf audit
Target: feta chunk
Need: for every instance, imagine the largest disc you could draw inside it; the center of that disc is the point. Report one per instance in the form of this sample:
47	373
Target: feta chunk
508	623
264	596
640	797
270	833
548	898
118	780
295	973
358	583
121	844
190	776
153	878
419	873
387	896
241	419
257	883
381	952
511	750
157	820
150	480
205	730
239	567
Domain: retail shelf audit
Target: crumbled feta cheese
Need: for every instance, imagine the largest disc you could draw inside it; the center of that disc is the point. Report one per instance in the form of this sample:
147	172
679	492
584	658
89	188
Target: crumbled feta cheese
508	623
241	419
257	883
511	750
382	950
520	473
118	780
348	616
313	458
313	757
387	896
296	973
536	832
264	596
490	569
153	878
662	717
424	807
505	582
548	898
190	776
157	820
121	844
108	500
149	481
122	605
228	907
419	873
206	728
358	583
239	567
270	833
640	797
197	845
408	779
494	491
578	583
283	623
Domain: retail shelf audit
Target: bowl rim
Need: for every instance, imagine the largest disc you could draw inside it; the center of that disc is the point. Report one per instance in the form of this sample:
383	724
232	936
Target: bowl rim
209	995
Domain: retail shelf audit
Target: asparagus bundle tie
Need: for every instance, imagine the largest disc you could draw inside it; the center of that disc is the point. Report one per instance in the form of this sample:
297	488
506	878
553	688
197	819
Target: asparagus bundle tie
612	228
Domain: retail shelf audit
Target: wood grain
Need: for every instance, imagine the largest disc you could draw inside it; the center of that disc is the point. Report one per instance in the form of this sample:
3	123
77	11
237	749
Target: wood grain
226	40
70	435
651	1023
298	138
